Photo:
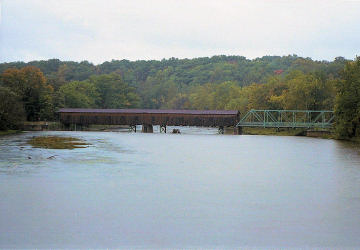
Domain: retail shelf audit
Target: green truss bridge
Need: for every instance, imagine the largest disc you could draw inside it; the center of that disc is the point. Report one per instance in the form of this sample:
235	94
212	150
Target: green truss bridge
287	119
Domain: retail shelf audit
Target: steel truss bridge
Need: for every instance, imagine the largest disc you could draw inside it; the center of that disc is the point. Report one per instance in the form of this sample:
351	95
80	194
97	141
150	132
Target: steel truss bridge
287	119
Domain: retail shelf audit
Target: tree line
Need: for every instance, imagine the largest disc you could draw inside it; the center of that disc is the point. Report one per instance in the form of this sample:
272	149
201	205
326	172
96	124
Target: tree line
34	91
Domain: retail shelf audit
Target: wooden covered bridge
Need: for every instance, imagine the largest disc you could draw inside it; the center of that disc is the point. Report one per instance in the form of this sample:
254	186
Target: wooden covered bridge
149	117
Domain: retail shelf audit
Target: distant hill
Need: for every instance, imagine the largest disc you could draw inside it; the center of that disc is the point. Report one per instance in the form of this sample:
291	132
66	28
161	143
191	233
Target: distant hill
189	72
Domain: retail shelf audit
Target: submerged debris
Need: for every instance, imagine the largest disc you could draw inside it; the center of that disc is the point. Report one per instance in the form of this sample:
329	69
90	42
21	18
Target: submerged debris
57	142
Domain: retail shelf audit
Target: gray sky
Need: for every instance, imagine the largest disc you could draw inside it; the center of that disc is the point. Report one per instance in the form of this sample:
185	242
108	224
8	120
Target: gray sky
102	30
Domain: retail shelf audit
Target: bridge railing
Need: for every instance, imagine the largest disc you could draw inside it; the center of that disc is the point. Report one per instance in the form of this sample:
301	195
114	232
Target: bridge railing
287	119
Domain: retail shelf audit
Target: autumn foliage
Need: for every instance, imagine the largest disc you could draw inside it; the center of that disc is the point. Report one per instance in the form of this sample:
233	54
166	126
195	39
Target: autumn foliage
219	82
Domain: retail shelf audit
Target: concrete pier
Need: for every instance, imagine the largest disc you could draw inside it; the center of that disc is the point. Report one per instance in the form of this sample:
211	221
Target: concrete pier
147	128
221	130
162	128
318	133
237	130
133	128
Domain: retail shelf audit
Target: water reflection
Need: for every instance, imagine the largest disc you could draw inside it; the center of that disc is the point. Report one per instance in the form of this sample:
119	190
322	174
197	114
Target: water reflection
197	189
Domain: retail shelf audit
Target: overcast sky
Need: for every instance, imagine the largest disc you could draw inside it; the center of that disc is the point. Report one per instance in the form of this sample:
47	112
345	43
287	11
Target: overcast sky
102	30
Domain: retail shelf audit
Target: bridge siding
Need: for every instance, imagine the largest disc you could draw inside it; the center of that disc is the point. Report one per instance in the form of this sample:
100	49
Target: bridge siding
192	118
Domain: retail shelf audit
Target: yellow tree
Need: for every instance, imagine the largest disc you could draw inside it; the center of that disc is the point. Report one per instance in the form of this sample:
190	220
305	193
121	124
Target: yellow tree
308	92
29	83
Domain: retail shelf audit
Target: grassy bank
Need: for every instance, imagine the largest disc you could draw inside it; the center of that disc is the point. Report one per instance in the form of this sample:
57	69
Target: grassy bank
355	140
286	132
9	132
274	131
57	142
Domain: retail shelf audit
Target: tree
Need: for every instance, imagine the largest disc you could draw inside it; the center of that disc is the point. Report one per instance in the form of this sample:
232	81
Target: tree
224	93
202	97
301	91
11	109
258	96
77	94
114	92
218	82
347	107
30	85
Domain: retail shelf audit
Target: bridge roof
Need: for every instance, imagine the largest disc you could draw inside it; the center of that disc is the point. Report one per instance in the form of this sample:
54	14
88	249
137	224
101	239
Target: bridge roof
150	111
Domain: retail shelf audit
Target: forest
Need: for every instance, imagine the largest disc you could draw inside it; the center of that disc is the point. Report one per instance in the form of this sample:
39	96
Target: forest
33	91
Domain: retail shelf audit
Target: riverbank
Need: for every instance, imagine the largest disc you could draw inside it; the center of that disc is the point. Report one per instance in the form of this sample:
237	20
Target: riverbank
9	132
288	132
57	126
273	131
355	140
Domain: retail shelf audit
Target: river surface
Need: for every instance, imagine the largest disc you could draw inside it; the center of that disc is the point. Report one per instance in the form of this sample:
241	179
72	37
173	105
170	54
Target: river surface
196	189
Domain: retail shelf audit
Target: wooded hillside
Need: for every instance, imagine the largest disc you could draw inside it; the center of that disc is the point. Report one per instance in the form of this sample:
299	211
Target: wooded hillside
219	82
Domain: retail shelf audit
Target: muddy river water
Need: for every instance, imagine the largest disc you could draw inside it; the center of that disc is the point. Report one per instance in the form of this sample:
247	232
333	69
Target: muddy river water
195	189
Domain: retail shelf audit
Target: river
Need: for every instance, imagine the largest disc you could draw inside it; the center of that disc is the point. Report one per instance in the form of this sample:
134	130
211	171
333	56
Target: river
195	189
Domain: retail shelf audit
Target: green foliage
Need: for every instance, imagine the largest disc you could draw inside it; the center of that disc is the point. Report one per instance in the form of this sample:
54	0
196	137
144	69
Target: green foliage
347	108
114	92
29	83
11	109
219	82
77	94
216	69
308	92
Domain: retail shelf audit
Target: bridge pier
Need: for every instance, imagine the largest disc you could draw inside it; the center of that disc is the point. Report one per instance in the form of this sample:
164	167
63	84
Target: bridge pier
237	130
147	128
221	130
66	126
133	128
78	127
163	128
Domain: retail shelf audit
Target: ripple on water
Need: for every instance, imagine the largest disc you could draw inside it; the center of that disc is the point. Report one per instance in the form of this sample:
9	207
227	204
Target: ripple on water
173	191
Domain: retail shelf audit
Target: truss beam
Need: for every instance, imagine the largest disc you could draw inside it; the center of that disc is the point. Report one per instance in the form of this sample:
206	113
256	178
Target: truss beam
287	119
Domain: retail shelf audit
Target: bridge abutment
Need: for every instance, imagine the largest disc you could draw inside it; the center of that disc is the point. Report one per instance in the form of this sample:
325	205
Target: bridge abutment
147	128
132	128
237	130
163	129
221	130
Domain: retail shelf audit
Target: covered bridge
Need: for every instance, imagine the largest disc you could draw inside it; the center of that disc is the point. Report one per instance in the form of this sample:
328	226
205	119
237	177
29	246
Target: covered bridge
149	117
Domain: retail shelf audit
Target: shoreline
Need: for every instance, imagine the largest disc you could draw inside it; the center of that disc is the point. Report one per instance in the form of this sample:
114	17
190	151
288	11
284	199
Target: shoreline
290	132
9	132
246	131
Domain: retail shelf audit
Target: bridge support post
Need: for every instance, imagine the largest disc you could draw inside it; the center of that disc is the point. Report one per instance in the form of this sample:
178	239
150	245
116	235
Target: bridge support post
147	128
237	130
221	130
163	128
133	128
66	126
79	127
